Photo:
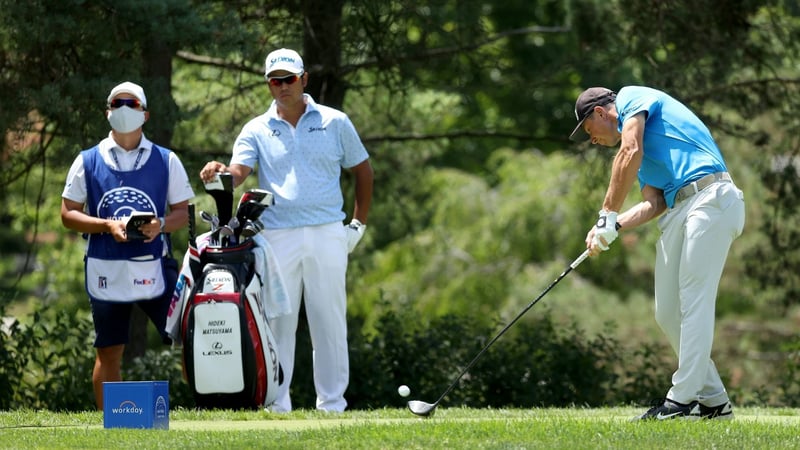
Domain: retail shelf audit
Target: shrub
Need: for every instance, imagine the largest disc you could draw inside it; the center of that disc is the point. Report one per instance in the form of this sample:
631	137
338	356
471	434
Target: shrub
48	365
162	365
534	364
537	363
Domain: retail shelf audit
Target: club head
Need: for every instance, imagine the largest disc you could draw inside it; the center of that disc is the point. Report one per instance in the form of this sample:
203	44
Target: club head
262	196
250	210
225	230
252	203
421	408
251	228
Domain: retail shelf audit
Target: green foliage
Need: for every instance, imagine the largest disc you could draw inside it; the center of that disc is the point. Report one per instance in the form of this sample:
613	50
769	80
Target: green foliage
48	365
791	382
465	108
535	363
162	365
483	240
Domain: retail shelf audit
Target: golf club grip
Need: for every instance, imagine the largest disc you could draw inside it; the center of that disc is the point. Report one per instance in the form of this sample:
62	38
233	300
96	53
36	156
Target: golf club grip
569	268
580	259
192	235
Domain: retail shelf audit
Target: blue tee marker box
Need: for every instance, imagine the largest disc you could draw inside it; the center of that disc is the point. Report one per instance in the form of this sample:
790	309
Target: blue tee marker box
136	404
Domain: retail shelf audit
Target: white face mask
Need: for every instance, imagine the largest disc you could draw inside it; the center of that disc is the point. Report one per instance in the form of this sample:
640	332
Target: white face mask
125	119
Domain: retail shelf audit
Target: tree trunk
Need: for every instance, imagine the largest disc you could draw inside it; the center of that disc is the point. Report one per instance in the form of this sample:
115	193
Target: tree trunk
156	81
322	50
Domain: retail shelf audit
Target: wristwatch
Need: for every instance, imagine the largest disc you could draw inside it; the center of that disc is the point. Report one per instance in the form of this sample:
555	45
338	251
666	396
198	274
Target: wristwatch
163	223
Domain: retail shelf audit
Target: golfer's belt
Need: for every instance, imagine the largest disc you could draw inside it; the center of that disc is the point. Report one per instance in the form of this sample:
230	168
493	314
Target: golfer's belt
698	185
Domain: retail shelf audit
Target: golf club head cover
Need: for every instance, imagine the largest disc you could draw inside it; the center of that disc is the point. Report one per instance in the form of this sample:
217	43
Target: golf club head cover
605	229
221	190
355	231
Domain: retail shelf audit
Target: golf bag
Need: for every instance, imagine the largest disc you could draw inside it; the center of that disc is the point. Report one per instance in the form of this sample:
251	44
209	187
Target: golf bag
227	290
230	356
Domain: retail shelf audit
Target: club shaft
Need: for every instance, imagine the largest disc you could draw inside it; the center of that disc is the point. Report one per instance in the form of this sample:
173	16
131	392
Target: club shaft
573	265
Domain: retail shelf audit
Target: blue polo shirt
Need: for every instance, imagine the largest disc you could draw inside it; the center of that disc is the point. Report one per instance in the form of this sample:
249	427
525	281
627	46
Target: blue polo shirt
301	166
678	147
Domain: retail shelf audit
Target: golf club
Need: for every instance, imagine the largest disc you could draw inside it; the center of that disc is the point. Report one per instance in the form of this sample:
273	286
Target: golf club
252	204
227	238
251	228
192	226
424	409
194	255
221	190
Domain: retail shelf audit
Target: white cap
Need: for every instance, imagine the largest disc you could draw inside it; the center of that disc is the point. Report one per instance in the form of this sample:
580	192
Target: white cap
284	59
128	88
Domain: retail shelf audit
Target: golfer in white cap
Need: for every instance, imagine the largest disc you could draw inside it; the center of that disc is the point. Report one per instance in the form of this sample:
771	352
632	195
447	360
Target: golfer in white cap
300	148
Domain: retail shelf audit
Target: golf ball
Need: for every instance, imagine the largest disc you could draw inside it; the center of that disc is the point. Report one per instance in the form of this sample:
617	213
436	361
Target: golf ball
403	391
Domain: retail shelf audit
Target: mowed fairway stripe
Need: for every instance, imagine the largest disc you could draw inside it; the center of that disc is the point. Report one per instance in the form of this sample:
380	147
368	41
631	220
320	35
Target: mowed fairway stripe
286	425
308	424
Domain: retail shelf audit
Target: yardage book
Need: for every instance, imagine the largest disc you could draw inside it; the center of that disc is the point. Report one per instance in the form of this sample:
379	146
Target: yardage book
134	221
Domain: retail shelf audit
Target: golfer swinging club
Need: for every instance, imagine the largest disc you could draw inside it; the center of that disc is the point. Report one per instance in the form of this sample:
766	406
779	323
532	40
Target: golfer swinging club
683	179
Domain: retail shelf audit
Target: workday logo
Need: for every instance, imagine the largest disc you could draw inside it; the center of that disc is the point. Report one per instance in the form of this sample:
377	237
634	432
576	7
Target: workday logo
127	407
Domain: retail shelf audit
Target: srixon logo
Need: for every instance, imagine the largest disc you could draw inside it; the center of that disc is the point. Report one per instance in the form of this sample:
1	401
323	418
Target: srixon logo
127	407
219	281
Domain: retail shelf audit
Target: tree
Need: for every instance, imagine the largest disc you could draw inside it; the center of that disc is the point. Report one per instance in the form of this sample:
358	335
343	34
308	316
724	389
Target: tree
446	94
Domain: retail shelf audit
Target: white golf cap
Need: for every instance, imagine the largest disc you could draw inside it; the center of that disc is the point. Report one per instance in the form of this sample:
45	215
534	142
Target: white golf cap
284	59
128	88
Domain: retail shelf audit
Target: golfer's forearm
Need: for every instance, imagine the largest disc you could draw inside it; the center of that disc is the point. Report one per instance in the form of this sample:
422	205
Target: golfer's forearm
626	163
639	214
623	175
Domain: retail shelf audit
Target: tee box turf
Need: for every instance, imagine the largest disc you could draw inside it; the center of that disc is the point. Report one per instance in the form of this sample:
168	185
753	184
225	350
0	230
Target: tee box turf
136	404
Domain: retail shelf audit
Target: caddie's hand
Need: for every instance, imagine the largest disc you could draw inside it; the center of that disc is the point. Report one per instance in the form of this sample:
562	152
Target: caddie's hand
212	168
604	232
151	230
117	230
355	231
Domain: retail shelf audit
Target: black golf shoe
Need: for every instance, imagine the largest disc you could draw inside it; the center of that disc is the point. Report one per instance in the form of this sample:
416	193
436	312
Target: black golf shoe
671	410
720	412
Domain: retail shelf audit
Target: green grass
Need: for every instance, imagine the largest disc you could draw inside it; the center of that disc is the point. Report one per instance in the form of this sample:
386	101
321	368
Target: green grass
574	428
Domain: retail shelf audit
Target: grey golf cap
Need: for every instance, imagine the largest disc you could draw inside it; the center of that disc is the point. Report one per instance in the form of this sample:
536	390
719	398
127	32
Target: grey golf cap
596	96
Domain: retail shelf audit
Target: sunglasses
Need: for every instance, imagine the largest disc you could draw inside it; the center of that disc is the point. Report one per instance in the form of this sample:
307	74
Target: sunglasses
129	102
289	79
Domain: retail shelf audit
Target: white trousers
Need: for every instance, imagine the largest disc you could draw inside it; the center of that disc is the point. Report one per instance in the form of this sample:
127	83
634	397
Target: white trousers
313	262
690	256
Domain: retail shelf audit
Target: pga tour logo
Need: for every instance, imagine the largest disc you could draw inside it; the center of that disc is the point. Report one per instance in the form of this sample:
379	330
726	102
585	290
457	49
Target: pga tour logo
127	407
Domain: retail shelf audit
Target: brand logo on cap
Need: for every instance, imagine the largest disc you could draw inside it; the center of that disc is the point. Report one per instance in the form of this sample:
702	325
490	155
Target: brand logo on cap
281	59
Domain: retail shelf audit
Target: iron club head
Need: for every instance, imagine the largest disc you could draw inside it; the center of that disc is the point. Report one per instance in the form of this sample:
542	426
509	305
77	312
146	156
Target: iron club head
421	408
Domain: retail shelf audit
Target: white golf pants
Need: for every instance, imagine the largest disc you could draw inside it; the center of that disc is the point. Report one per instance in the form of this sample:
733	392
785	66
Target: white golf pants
313	262
690	256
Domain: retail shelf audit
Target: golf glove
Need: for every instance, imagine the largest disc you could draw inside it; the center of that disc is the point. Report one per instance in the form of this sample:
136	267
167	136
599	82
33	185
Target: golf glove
355	231
605	229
